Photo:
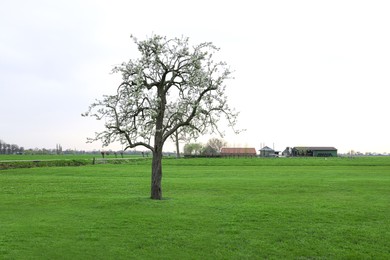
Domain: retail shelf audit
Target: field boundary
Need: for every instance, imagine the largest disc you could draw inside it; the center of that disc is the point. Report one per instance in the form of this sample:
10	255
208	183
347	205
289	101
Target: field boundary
15	164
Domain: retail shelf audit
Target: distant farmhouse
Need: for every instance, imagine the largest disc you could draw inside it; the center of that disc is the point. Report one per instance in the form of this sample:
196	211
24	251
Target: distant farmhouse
238	152
268	152
311	151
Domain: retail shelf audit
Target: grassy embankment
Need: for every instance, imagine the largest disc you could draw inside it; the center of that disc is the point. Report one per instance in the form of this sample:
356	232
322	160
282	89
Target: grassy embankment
33	157
30	161
283	208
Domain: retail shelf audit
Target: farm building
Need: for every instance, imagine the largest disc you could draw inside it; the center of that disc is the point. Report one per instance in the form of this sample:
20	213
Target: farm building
287	152
268	152
238	152
314	151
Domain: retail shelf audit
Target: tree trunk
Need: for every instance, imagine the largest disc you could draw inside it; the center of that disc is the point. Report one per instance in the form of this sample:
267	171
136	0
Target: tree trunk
156	192
177	144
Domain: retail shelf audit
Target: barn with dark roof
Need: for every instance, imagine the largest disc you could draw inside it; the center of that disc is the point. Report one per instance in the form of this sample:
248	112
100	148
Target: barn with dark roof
314	151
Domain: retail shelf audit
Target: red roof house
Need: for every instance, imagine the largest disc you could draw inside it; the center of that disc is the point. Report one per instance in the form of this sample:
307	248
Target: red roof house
238	152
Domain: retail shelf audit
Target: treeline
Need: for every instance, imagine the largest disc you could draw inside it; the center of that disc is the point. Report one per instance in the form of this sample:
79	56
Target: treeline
6	148
211	149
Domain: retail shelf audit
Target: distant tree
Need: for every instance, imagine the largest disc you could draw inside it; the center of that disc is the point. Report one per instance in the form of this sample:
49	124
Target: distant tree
209	151
14	149
8	149
171	86
216	144
213	146
182	134
58	149
4	148
176	137
188	149
193	148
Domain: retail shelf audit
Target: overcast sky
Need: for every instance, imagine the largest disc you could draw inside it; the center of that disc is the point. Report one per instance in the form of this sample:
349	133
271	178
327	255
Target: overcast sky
307	73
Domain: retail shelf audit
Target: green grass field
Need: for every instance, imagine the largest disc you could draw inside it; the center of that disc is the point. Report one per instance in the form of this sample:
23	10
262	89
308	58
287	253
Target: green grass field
282	208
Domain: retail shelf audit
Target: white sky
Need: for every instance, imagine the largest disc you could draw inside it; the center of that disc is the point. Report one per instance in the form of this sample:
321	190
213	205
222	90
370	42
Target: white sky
307	73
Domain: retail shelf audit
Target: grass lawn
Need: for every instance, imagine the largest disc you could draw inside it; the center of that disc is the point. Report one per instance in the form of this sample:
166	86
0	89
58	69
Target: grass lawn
281	208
